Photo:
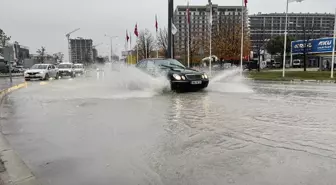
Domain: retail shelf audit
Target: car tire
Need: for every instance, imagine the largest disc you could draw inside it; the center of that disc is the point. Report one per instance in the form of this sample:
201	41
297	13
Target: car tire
57	76
73	75
27	79
46	77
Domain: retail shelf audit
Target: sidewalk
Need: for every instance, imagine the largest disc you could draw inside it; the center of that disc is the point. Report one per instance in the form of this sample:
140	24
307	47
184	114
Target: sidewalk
13	171
5	82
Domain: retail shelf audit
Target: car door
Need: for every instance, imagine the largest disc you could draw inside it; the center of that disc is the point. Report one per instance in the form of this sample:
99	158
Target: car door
50	73
142	65
51	69
150	67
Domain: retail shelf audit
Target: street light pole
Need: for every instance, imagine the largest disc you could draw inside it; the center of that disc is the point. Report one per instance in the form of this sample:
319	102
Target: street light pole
285	42
333	51
111	42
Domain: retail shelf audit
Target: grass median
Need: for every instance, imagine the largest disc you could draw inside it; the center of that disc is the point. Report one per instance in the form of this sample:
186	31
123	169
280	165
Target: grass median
290	75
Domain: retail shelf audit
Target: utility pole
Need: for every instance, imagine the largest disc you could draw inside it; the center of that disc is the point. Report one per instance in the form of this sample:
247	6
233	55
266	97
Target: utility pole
111	42
170	16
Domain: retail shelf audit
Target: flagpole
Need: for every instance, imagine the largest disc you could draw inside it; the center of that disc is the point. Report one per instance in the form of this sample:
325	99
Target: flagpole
188	35
157	46
210	57
242	40
333	51
157	39
137	48
285	42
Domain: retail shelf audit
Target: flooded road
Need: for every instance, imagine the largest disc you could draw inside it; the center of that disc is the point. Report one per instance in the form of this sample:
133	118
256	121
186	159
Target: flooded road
121	129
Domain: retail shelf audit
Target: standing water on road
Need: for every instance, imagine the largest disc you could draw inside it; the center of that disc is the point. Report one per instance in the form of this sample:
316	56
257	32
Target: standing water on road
100	129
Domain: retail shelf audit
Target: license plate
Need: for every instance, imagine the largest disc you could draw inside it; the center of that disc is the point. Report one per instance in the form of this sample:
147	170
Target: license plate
196	82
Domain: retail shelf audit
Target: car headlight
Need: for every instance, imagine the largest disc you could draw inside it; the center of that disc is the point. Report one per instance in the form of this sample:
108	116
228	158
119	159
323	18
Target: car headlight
205	76
177	77
183	78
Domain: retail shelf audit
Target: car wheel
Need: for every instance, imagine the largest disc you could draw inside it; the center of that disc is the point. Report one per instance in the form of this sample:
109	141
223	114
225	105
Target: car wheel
73	75
57	76
46	77
27	79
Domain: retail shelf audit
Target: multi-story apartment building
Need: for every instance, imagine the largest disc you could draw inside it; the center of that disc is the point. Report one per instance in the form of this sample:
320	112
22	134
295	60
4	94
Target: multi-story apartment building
222	16
301	26
81	50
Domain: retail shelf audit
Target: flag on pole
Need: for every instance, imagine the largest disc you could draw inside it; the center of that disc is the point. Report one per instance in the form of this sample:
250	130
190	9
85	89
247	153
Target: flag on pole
245	2
127	37
130	37
174	29
136	30
156	23
188	14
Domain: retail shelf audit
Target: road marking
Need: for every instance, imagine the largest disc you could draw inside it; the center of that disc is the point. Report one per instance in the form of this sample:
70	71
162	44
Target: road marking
44	83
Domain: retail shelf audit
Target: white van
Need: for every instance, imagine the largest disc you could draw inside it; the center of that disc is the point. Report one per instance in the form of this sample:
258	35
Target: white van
79	69
297	63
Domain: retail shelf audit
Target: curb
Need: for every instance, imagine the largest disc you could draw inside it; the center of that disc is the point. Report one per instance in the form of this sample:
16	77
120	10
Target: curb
17	171
13	75
295	81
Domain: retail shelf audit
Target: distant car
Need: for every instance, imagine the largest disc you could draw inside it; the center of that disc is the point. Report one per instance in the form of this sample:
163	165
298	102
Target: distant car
79	68
180	77
66	69
276	65
297	63
21	69
41	72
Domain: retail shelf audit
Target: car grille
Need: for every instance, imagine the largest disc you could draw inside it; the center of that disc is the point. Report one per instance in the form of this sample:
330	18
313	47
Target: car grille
32	73
193	77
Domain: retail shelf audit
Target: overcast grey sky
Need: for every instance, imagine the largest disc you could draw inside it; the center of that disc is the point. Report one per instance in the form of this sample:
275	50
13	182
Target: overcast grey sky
36	23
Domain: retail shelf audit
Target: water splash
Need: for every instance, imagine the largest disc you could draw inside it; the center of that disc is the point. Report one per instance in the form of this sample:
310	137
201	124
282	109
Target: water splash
229	80
113	82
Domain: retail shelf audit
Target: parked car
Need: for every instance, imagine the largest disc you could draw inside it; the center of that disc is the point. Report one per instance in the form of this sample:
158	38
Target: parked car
66	69
79	69
21	69
297	63
276	65
180	77
41	72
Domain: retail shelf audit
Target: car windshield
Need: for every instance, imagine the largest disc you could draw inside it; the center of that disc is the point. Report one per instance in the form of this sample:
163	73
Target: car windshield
39	66
64	66
169	63
78	66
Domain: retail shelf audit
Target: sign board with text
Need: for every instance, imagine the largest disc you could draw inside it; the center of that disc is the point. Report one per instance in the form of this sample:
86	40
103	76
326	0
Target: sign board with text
323	45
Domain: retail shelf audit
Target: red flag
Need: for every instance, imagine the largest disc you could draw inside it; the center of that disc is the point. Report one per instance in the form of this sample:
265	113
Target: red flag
245	1
136	33
188	14
156	23
127	37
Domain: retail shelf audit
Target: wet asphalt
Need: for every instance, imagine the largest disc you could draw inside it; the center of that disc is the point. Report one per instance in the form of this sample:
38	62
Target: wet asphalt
125	128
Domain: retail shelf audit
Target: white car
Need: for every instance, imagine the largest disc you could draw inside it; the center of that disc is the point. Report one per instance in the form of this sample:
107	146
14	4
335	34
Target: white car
79	69
66	69
41	72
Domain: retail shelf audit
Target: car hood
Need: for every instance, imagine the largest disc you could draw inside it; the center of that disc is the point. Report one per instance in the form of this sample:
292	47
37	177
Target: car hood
184	71
65	69
35	70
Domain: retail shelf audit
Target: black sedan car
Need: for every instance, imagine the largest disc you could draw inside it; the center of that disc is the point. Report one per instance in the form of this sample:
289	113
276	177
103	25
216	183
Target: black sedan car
180	77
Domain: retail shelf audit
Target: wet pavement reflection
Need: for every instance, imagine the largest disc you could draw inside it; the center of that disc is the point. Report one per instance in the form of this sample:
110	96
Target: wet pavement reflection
89	131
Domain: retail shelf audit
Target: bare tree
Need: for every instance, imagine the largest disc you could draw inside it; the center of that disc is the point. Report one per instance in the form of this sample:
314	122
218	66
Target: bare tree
163	41
145	43
58	56
3	38
41	53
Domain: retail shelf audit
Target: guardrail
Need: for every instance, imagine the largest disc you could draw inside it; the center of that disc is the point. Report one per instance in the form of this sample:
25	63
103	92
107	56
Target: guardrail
13	74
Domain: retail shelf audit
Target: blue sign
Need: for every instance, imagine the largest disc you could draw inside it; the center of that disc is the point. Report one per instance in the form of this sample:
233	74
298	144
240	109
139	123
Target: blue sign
323	45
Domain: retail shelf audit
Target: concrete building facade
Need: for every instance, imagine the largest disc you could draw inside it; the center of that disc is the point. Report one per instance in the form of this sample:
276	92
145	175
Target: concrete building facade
200	23
302	26
81	50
